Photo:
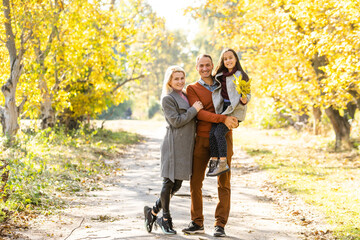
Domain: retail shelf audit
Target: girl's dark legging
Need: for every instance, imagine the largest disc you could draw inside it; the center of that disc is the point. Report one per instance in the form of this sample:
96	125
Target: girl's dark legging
217	140
168	190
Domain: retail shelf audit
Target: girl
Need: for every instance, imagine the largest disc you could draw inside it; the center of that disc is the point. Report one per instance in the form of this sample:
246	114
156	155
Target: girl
177	146
226	101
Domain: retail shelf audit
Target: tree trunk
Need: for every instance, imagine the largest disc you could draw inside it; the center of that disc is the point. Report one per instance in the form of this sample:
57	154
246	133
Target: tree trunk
10	113
47	112
351	109
46	108
341	127
340	124
67	119
356	95
317	119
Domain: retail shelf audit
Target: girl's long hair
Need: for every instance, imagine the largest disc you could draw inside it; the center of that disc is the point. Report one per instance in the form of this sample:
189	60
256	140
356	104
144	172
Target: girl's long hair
220	67
168	75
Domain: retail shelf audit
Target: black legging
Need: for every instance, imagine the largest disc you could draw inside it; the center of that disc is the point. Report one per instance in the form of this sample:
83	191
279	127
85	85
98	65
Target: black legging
217	140
168	190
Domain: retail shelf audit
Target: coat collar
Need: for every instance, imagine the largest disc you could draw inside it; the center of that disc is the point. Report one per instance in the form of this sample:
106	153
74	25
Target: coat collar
237	74
228	78
180	101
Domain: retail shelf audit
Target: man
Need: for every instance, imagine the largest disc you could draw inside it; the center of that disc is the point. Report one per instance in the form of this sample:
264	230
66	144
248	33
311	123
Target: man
202	91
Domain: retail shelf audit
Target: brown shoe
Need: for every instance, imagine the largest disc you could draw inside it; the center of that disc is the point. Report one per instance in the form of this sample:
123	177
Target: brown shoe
221	167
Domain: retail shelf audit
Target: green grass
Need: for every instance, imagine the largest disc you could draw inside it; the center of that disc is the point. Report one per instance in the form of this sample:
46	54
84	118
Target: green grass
303	165
255	152
46	166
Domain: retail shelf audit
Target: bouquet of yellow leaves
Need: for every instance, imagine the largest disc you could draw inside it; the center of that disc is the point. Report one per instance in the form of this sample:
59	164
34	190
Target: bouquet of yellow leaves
242	86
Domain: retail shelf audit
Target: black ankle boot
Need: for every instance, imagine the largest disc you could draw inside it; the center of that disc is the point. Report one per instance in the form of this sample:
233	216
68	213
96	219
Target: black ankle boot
166	226
149	218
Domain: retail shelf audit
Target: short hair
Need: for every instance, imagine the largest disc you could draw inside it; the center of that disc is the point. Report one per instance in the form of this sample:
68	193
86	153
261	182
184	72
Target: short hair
203	55
168	74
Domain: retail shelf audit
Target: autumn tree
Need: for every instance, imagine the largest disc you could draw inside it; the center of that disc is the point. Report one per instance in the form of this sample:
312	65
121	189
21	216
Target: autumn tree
330	30
13	17
80	55
47	16
303	54
117	43
174	48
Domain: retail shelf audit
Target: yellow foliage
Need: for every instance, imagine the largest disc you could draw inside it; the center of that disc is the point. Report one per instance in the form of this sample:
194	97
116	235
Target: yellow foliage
280	40
91	54
242	86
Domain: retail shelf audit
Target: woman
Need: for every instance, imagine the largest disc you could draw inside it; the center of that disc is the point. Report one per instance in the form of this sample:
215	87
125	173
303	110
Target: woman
177	147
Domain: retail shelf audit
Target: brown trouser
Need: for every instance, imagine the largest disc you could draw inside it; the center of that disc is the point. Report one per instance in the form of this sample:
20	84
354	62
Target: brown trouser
200	162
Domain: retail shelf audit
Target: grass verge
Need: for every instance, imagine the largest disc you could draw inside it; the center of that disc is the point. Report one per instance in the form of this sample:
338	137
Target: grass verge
304	165
47	166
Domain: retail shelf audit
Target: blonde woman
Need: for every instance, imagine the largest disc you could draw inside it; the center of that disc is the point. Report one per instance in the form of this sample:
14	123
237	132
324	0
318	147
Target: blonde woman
177	146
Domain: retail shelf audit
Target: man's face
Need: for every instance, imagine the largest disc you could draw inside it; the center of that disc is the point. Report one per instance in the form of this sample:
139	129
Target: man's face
204	67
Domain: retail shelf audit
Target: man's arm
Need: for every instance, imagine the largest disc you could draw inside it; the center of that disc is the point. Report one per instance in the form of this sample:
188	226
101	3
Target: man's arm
230	122
203	114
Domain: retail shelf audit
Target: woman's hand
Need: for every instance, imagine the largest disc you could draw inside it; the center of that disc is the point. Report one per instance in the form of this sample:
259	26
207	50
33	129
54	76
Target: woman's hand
198	106
243	100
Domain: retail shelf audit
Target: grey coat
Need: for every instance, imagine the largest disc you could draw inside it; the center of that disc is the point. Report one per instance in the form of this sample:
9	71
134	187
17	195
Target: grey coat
236	108
178	144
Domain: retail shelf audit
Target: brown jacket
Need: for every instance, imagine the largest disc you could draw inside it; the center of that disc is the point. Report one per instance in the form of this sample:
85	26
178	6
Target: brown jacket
206	116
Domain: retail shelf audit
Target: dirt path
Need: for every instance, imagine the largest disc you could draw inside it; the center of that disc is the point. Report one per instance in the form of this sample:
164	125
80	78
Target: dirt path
258	210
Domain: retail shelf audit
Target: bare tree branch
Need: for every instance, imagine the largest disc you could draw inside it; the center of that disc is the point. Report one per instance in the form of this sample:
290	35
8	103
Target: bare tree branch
2	110
2	117
21	106
126	81
112	5
10	38
15	20
53	30
75	229
353	92
58	80
49	43
22	36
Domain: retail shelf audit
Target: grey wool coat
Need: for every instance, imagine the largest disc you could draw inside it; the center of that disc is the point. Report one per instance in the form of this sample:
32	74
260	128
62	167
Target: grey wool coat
236	109
178	144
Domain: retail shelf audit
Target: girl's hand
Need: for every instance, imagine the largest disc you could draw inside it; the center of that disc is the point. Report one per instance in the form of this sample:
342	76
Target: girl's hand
243	100
198	106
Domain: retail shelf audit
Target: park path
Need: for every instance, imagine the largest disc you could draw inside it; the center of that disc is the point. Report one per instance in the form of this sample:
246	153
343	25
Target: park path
258	210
